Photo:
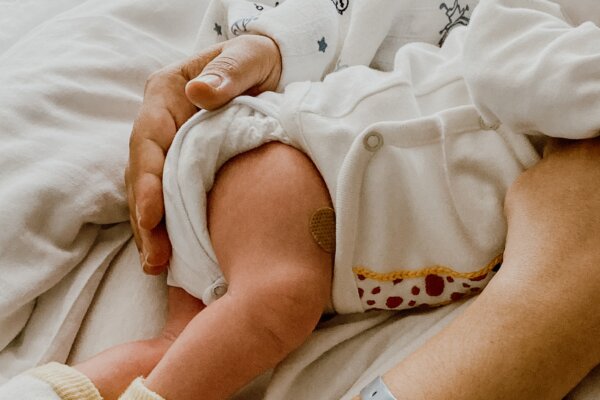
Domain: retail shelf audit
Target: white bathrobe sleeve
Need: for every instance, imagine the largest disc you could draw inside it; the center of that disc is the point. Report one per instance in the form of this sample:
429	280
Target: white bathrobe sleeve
533	67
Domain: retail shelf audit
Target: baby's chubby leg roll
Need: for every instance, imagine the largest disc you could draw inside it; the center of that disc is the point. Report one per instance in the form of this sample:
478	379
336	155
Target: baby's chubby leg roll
259	213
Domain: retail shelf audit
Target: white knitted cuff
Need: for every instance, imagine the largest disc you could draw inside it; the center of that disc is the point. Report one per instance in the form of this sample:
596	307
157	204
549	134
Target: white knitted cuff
137	391
67	382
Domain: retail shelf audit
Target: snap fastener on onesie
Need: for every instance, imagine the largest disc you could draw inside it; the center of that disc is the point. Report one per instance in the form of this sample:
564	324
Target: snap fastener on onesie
214	291
373	141
219	290
322	228
487	126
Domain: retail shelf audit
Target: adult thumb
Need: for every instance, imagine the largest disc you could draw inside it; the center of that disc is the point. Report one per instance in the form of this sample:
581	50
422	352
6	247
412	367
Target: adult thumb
253	66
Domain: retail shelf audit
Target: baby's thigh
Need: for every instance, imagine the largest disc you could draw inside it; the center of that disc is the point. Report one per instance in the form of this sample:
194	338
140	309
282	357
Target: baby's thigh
259	217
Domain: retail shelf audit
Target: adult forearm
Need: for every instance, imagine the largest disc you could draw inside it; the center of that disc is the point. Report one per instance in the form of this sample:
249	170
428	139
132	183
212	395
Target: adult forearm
531	339
533	332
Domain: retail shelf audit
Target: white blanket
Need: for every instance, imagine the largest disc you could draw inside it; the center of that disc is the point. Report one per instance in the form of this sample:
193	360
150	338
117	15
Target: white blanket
341	356
70	86
71	78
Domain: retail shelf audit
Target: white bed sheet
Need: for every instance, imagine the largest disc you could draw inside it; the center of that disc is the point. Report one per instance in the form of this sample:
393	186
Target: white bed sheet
71	79
344	354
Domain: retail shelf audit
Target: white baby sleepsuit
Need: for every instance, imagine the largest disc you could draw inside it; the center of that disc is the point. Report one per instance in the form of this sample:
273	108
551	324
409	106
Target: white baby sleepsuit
417	160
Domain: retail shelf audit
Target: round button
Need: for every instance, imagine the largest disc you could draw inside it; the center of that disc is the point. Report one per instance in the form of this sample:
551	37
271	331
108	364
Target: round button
488	127
219	290
373	141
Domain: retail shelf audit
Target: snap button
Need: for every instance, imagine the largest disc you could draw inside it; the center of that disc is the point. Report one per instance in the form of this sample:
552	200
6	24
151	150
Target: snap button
219	290
488	127
373	141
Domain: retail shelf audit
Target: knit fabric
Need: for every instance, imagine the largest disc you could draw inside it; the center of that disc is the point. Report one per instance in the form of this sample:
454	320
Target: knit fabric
67	382
137	391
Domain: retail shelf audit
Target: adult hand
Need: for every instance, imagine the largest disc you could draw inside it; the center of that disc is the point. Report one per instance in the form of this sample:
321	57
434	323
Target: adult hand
248	64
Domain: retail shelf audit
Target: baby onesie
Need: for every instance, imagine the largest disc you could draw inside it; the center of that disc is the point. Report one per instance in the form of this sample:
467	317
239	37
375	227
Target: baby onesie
416	165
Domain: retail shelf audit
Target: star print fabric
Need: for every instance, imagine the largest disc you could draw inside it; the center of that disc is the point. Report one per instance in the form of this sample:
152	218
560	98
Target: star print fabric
307	33
317	37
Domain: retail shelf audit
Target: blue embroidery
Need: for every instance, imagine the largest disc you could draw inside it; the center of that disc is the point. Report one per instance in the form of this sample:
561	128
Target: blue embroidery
322	44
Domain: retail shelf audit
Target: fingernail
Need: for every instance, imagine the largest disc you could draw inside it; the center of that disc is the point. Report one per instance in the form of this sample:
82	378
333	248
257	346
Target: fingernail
149	264
154	270
142	259
210	79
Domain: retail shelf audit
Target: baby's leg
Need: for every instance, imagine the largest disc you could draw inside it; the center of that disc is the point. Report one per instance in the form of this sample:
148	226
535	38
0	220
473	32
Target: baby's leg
113	370
279	278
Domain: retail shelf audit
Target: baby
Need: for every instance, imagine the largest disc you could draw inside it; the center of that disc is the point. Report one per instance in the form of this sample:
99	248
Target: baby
415	172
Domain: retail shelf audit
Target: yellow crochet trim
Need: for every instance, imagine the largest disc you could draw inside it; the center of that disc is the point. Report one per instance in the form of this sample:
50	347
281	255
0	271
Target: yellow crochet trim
436	270
67	382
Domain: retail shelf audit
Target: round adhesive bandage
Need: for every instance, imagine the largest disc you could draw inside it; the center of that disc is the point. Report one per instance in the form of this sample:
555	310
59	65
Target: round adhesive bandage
322	228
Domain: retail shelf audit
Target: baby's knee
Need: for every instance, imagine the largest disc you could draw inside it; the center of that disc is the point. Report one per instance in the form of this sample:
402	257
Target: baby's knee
288	309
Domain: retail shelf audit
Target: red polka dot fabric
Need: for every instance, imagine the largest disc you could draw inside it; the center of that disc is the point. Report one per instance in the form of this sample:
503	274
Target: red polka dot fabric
418	290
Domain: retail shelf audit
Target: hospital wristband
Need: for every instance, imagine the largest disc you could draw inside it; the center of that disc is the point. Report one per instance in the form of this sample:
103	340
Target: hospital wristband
376	390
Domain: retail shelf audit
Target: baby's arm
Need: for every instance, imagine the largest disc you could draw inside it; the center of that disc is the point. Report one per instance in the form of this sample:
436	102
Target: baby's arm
530	68
311	35
295	25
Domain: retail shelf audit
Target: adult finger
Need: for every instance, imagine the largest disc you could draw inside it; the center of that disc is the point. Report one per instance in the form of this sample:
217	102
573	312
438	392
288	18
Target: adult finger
154	245
247	63
156	258
147	187
147	205
152	135
132	211
164	110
